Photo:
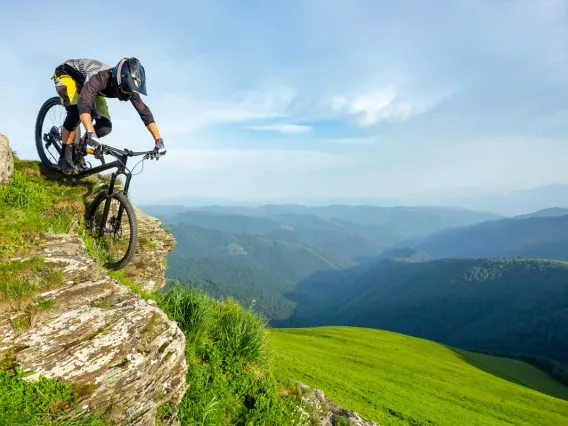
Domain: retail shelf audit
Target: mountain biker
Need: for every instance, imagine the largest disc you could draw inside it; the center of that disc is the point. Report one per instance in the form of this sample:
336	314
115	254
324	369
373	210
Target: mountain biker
83	85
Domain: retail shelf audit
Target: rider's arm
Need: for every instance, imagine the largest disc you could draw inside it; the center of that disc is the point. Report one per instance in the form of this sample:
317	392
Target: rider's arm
145	115
89	92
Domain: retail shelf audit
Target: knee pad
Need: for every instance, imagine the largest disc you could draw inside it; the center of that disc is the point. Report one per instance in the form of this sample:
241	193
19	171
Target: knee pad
72	118
103	127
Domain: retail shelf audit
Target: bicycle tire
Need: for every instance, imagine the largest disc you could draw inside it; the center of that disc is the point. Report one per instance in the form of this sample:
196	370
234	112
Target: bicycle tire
132	222
47	105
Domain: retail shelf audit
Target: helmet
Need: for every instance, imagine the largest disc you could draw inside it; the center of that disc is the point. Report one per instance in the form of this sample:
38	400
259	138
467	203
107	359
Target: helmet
128	76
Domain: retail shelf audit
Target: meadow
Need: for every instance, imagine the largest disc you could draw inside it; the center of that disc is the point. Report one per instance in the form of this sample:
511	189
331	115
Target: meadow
394	379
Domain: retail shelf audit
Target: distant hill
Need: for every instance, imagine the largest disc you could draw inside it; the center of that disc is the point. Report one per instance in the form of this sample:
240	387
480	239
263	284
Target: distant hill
285	260
394	379
343	231
185	268
163	210
545	235
519	202
410	220
343	239
511	306
550	212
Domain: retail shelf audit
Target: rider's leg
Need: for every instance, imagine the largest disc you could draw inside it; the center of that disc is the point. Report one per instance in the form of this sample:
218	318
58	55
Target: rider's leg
68	91
66	162
103	125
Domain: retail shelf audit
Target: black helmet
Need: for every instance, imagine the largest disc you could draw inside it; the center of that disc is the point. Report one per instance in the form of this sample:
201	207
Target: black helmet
128	76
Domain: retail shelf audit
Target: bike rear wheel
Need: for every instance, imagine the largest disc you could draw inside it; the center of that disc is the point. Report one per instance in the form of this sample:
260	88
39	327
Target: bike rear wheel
48	134
116	235
48	131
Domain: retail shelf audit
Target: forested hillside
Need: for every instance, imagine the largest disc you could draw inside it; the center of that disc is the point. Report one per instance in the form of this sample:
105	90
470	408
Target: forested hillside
287	260
544	237
249	286
346	240
511	306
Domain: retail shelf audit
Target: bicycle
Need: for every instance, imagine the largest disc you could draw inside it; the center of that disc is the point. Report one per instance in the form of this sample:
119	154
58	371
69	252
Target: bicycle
107	227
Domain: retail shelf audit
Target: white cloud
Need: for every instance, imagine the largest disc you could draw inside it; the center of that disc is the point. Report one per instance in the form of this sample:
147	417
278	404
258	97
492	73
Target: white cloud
184	114
385	104
284	128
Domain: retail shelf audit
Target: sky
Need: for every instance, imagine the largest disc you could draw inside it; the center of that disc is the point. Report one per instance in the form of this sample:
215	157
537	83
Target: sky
306	100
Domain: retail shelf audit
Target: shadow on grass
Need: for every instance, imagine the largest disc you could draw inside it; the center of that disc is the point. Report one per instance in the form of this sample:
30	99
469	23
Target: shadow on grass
89	184
515	371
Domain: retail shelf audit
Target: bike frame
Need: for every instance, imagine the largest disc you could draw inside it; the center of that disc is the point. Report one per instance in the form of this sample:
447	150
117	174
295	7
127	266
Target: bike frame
120	164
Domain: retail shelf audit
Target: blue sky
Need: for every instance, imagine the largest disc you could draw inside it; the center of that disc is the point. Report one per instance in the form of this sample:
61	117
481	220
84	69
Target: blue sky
413	101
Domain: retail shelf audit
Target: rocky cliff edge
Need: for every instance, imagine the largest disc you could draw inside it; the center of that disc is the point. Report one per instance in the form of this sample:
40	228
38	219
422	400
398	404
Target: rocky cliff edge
123	355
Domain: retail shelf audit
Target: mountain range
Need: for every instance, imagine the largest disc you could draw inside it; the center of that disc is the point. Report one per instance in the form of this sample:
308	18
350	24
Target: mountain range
505	203
472	279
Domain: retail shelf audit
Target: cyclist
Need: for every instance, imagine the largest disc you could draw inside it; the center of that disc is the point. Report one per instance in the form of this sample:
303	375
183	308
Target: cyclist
83	85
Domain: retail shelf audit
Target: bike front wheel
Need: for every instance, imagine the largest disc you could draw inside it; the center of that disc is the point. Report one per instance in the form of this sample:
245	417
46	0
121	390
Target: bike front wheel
112	224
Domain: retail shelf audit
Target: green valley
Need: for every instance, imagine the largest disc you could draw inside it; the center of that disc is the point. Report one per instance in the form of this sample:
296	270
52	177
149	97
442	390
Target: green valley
505	305
394	379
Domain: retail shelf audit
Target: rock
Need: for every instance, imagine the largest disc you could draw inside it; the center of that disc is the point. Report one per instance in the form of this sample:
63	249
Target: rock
327	413
6	161
120	351
147	267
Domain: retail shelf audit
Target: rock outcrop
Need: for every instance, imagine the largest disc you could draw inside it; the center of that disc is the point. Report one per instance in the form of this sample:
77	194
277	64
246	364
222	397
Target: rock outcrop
326	412
6	161
121	351
148	265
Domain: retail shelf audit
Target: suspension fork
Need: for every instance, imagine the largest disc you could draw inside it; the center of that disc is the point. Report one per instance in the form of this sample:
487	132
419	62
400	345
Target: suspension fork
107	203
126	186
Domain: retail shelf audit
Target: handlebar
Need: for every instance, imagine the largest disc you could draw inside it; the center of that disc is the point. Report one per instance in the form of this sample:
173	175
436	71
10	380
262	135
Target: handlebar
106	149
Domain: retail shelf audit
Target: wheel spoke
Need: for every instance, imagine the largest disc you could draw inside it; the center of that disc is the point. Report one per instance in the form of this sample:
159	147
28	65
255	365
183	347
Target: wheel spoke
115	237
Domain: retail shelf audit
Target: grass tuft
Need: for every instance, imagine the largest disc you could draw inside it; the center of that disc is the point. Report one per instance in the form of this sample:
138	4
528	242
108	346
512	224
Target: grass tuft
44	402
192	310
240	333
21	281
228	367
24	194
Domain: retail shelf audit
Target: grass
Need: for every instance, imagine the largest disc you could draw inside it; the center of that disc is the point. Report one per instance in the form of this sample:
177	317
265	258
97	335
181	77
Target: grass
44	402
37	201
229	375
394	379
21	281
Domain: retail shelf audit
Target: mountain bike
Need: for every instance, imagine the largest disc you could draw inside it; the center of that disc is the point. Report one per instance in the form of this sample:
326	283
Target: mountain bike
110	217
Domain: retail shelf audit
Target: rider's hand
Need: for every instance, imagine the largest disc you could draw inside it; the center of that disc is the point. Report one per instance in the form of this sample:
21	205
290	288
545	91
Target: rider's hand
160	148
93	140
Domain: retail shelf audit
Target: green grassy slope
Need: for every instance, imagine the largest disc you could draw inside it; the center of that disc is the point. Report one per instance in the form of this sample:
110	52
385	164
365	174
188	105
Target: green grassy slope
399	380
